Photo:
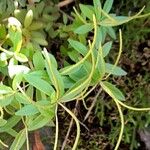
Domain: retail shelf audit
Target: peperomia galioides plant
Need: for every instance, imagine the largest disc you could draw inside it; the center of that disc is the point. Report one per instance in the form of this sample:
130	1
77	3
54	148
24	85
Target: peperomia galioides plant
33	85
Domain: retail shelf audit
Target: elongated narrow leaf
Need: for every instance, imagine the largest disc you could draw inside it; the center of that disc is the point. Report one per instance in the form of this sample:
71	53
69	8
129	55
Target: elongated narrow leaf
100	66
75	90
21	98
38	122
84	29
87	11
2	122
16	81
106	48
16	38
5	89
11	122
39	83
21	57
6	100
76	76
111	32
112	90
27	110
38	61
108	5
19	140
115	70
97	8
78	46
53	73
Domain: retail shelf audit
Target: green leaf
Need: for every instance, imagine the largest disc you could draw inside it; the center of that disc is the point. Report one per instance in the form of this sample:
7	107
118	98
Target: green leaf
53	73
74	91
111	32
20	57
36	26
78	46
39	83
115	70
97	8
77	75
114	92
5	89
87	11
2	31
46	108
101	35
38	61
6	100
84	29
108	5
19	140
65	18
74	56
11	122
68	82
27	110
22	98
106	48
16	38
16	81
2	122
28	18
40	41
100	65
38	122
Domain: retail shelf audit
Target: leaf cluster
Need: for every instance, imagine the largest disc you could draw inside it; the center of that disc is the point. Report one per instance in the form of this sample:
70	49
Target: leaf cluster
33	85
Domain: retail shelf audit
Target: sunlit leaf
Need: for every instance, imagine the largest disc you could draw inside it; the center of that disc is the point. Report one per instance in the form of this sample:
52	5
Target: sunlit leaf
6	100
17	69
112	90
115	70
21	57
27	110
5	89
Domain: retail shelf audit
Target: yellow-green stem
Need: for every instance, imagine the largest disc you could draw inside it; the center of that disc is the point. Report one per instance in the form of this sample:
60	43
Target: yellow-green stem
77	124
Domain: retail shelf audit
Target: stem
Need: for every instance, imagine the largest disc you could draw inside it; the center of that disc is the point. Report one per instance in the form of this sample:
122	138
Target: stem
70	126
133	108
122	124
27	138
119	54
2	113
57	129
3	144
77	124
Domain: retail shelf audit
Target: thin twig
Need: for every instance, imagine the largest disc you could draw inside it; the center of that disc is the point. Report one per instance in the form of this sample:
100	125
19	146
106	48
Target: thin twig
93	104
70	126
64	3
